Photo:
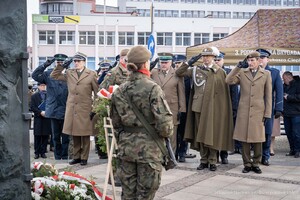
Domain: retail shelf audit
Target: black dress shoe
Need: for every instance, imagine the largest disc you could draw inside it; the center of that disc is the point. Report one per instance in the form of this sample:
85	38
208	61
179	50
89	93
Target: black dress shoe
181	159
74	161
36	156
202	166
83	162
272	154
291	153
43	155
224	161
265	162
189	155
246	169
212	167
297	155
256	170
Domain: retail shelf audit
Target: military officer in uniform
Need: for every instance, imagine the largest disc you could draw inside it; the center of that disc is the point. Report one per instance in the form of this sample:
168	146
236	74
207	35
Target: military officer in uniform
255	105
209	125
82	83
117	75
173	87
140	157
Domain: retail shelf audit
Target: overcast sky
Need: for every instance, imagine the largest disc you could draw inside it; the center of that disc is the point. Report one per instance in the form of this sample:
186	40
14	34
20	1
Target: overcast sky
33	8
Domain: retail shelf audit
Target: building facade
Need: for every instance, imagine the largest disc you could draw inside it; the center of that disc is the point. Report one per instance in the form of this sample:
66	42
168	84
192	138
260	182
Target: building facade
102	32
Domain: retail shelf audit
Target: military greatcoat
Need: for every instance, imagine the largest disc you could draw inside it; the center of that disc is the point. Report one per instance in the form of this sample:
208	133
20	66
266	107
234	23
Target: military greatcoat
210	97
255	103
173	87
79	103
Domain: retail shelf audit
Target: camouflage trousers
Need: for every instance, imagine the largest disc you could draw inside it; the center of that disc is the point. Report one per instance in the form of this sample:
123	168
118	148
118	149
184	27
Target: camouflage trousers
139	180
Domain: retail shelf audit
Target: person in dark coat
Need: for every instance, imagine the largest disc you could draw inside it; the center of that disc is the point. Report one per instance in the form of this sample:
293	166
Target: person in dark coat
277	102
42	125
291	112
57	92
219	60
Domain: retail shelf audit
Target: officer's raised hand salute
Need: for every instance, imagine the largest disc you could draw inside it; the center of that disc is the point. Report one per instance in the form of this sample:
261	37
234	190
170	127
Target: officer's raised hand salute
194	59
66	64
48	62
243	64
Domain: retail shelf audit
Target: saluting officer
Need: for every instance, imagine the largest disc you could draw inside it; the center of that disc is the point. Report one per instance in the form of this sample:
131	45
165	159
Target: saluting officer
209	125
173	87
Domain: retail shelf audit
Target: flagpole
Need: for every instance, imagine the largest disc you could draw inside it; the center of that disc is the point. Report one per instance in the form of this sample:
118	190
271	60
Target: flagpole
152	16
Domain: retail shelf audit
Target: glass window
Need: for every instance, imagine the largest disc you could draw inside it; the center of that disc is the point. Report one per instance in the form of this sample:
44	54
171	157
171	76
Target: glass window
143	38
164	39
91	63
66	37
175	13
101	37
126	38
200	38
87	37
110	38
179	39
46	37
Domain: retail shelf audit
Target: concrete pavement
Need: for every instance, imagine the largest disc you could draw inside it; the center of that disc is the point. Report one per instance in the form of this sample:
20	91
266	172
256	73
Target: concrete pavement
279	181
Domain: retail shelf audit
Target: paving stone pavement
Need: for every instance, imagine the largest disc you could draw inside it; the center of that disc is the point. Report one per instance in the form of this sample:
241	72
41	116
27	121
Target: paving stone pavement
279	181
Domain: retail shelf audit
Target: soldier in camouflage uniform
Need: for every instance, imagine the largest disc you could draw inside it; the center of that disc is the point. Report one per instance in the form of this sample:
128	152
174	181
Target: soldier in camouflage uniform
140	158
117	75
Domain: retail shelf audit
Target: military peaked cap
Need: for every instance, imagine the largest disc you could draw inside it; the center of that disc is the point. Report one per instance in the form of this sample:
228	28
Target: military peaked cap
79	56
165	56
60	57
263	52
179	58
253	54
208	52
221	55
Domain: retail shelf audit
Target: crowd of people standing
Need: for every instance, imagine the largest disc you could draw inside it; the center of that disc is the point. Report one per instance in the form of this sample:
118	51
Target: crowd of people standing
213	109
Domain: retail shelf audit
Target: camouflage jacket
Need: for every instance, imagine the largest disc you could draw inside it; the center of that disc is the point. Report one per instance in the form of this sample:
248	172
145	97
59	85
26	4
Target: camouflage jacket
138	145
115	76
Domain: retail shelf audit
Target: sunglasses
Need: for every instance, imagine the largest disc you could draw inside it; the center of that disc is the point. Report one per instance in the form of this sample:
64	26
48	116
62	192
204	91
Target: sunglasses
177	63
262	57
217	60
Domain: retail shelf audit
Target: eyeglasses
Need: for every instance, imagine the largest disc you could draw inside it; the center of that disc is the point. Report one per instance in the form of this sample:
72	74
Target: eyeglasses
178	63
217	60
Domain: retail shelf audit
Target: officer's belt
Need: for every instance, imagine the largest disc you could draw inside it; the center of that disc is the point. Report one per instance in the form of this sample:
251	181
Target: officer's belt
133	129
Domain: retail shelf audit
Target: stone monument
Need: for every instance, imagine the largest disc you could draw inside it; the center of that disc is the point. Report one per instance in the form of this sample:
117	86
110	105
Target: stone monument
14	135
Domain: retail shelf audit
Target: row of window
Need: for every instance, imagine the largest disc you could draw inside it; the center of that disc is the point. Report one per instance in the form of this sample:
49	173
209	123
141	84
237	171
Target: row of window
57	8
126	38
195	14
294	3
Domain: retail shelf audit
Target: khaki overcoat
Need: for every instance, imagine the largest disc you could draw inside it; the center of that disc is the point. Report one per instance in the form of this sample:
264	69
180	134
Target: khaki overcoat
254	105
173	87
215	128
79	103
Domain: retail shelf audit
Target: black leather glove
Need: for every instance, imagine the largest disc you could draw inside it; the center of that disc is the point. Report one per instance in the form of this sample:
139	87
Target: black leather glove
49	62
92	114
243	64
194	59
67	63
153	63
277	114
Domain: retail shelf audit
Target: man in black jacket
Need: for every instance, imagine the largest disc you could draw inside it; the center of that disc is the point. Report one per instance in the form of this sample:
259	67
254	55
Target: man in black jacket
291	112
57	93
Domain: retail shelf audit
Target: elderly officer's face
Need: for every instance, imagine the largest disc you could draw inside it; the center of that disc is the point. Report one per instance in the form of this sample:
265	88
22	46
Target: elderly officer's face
165	65
219	62
253	63
79	64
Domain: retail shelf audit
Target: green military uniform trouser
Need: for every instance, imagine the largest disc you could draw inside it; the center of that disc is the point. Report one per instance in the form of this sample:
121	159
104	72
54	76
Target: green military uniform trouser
208	155
248	160
81	147
139	180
